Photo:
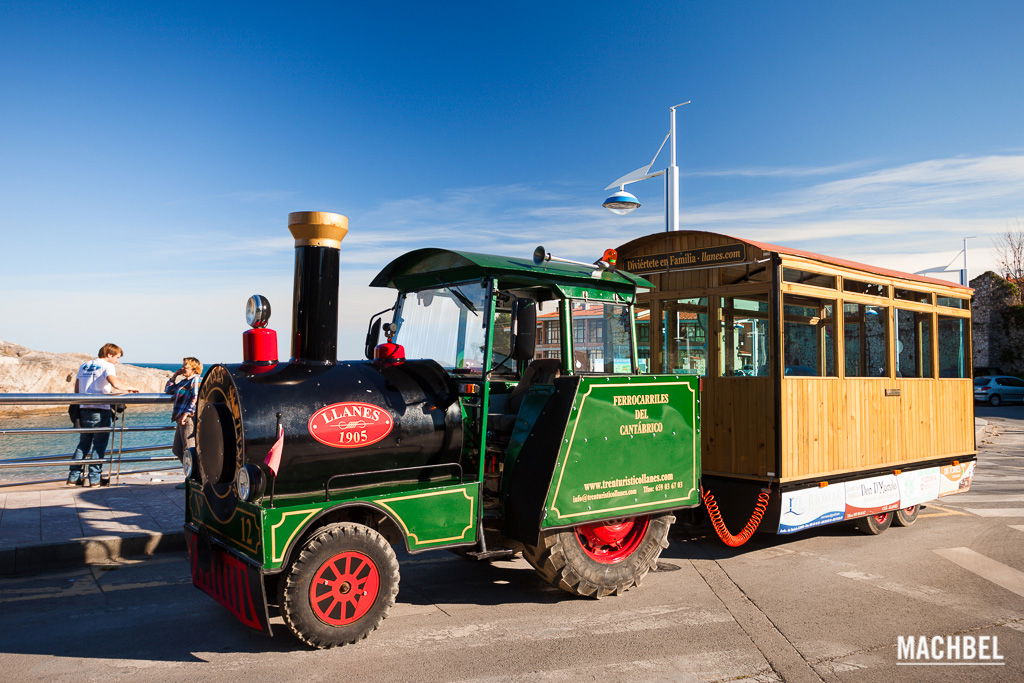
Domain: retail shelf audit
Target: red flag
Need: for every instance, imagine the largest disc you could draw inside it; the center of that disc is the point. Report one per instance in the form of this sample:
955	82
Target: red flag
273	460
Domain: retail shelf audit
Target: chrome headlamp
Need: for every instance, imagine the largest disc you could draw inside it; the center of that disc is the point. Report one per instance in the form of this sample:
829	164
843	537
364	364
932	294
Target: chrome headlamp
248	482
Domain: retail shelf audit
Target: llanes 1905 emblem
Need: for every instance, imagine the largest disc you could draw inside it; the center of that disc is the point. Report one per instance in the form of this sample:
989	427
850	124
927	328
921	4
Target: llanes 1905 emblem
350	425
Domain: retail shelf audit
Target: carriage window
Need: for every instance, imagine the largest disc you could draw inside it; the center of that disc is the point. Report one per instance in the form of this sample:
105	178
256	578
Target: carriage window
913	344
912	295
952	346
601	338
684	336
549	335
643	337
807	278
871	288
866	334
952	302
809	342
743	337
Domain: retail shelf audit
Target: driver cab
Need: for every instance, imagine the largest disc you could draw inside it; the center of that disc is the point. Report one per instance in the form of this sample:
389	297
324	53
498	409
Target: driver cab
508	332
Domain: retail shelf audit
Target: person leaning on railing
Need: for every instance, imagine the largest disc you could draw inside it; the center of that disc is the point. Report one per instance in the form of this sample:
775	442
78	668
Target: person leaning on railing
184	384
96	376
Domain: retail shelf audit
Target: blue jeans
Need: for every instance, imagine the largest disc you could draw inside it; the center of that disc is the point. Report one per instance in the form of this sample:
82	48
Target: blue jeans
95	442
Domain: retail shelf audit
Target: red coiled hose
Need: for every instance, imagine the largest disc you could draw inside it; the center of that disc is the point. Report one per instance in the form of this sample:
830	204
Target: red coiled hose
734	541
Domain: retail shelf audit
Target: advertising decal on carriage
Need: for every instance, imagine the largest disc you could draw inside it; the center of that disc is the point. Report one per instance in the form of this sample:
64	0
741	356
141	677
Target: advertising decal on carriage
918	486
955	478
806	508
871	496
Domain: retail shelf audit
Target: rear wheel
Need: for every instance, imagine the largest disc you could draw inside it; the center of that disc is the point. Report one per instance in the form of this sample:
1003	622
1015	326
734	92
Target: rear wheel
340	587
906	516
874	524
995	400
604	558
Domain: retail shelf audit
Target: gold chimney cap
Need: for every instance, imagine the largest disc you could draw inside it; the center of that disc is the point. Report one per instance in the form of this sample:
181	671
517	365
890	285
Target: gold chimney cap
317	228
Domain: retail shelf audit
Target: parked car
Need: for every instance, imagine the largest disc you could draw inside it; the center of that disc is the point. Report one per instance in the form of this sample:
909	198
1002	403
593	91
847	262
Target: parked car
998	389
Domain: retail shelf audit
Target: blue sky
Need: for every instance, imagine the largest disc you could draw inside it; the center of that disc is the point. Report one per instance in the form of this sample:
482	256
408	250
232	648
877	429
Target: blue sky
152	151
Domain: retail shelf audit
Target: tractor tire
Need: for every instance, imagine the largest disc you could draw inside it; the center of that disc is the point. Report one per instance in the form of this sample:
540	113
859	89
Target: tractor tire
873	525
340	586
595	560
906	516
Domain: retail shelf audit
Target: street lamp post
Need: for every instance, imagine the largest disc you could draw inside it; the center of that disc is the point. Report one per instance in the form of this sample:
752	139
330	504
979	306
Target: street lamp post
949	269
622	202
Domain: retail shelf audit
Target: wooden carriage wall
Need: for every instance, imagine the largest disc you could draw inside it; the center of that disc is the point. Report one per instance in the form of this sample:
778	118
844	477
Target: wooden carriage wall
813	366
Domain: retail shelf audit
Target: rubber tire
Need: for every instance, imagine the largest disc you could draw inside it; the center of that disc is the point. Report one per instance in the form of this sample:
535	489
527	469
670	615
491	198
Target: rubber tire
294	585
871	526
903	518
995	400
560	560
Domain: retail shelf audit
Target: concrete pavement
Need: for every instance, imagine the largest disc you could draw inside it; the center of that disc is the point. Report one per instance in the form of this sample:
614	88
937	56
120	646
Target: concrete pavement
49	526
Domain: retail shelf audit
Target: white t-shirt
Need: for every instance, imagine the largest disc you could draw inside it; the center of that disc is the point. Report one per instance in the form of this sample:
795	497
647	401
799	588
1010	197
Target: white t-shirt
92	379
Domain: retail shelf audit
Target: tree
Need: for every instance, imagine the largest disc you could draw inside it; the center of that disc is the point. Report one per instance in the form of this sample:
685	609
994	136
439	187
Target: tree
1010	253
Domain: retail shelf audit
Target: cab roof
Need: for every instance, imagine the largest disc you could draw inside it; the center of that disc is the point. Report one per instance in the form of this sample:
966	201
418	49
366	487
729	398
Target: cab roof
431	267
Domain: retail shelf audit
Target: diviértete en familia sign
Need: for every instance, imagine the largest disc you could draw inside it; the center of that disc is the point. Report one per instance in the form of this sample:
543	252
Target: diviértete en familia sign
691	258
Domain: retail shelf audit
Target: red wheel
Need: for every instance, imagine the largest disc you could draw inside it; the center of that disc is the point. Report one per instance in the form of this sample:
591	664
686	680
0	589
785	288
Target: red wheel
612	542
906	516
344	588
340	587
602	558
874	524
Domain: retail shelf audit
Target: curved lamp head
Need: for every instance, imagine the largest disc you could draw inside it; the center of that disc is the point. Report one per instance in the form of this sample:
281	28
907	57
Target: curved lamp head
621	203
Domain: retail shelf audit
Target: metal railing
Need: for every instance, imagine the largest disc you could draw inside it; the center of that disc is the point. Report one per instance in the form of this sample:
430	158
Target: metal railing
116	452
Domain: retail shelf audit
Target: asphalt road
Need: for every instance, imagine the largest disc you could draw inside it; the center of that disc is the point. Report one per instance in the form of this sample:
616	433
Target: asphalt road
825	604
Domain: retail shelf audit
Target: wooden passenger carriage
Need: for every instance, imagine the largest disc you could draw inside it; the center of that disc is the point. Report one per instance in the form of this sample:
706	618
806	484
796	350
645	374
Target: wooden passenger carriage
815	369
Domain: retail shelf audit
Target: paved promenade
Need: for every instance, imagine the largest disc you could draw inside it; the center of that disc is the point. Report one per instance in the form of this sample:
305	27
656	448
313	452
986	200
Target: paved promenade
46	526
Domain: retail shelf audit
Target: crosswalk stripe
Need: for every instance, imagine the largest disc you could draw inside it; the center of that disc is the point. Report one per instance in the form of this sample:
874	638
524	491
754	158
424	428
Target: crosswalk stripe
996	512
998	573
987	498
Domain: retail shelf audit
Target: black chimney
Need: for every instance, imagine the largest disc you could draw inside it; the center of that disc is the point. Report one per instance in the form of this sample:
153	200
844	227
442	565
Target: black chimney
318	236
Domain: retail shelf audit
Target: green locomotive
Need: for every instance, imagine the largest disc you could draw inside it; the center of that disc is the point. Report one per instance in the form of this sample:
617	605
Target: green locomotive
485	440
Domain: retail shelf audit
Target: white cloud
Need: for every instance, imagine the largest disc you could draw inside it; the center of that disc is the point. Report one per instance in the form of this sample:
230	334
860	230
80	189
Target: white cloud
776	172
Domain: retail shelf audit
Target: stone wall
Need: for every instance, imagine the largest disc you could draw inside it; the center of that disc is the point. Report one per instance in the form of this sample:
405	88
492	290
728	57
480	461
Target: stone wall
997	325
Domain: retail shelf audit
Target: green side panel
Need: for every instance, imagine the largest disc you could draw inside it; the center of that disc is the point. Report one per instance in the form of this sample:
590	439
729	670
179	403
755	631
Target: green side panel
632	445
240	529
429	518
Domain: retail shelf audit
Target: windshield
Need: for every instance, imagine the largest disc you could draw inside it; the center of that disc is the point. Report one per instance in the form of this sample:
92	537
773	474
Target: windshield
445	324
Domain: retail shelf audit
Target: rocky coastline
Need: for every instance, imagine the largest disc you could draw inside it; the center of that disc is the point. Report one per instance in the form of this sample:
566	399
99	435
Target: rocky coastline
27	371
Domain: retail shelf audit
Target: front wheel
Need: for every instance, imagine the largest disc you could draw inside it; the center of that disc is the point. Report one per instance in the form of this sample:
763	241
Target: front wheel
906	516
874	524
340	587
603	558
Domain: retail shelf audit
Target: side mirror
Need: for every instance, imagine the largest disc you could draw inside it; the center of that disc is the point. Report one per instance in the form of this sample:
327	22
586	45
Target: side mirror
524	314
372	337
